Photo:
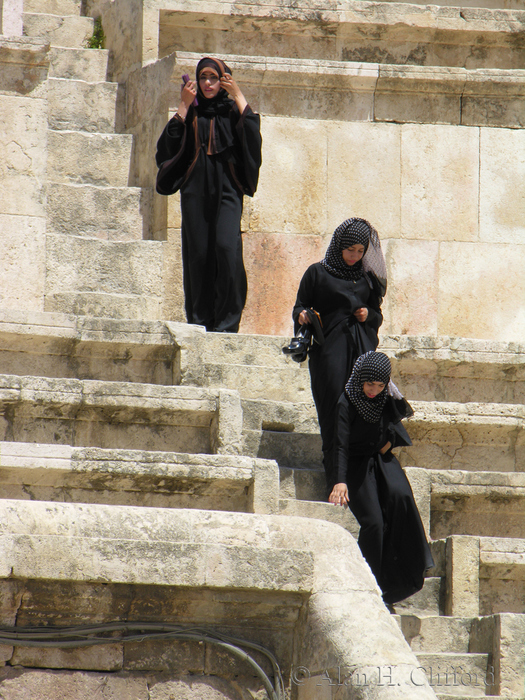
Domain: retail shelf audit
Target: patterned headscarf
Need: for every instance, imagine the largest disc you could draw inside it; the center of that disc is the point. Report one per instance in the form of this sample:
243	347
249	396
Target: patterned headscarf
351	232
370	367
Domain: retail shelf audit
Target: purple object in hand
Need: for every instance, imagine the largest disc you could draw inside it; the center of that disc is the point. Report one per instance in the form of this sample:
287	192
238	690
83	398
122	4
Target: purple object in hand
185	79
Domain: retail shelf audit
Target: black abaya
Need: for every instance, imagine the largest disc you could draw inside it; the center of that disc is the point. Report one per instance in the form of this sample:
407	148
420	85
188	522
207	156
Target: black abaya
212	188
392	538
346	338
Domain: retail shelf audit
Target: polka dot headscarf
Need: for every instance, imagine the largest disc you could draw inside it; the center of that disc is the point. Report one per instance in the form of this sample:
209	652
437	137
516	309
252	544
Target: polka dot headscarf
350	232
370	367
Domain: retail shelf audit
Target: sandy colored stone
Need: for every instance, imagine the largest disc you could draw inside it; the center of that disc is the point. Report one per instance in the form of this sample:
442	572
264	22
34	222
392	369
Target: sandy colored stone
275	265
412	297
59	30
439	199
22	239
502	192
463	561
364	175
477	303
21	684
105	657
76	157
78	64
291	197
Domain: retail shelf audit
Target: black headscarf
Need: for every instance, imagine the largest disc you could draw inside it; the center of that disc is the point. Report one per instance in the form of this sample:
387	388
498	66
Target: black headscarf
370	367
350	232
217	109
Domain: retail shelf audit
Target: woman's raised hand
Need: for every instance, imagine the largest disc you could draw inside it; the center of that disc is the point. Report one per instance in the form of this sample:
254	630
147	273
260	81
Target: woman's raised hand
188	93
361	314
231	87
339	495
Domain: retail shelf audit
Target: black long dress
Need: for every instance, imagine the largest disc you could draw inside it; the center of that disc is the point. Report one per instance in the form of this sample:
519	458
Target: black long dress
392	538
212	176
346	338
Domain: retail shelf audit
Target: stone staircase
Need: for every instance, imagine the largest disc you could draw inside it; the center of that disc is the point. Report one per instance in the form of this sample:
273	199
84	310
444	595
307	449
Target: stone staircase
98	262
165	415
109	420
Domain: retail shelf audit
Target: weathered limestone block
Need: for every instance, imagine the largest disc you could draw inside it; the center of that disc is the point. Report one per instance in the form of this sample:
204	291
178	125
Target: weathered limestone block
78	64
22	240
282	261
94	159
25	64
82	685
138	478
77	105
369	31
259	553
23	138
58	30
295	175
116	279
439	184
430	94
494	98
53	7
109	213
477	503
126	26
473	303
462	576
411	303
119	415
360	156
106	657
502	207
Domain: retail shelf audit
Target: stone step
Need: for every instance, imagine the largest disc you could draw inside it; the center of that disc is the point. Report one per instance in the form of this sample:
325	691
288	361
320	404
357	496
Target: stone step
431	634
58	30
469	436
76	105
501	575
477	503
426	368
57	345
302	484
369	90
122	278
40	472
93	159
118	415
90	65
109	213
89	542
451	502
320	511
53	7
445	435
429	601
382	32
457	674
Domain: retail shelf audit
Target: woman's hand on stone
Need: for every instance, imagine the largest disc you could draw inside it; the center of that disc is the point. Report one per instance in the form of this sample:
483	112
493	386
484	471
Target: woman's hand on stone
339	495
361	314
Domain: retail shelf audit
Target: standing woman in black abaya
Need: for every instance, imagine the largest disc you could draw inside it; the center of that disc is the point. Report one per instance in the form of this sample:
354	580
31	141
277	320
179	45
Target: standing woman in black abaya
211	151
346	289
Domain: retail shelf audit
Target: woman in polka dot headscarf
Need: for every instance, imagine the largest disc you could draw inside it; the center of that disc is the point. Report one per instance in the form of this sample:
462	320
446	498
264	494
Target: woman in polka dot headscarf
370	480
346	289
